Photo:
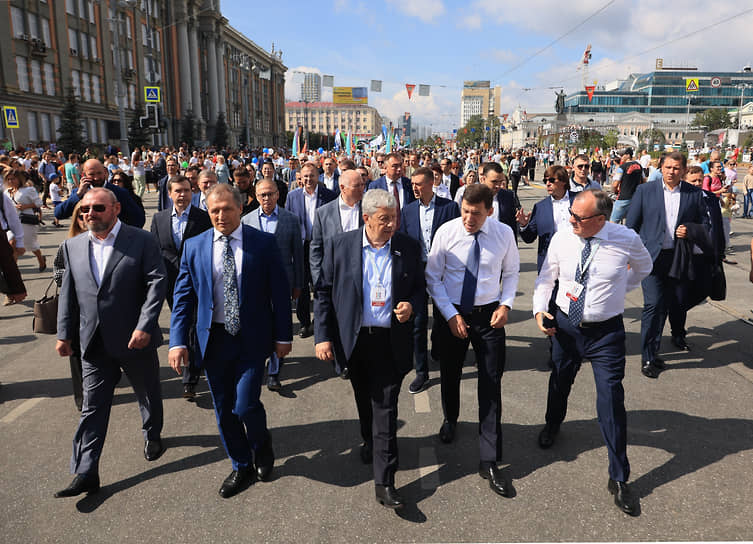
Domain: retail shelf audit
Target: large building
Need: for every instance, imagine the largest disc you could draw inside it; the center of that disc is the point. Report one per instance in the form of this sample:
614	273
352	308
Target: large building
107	51
326	118
479	98
311	88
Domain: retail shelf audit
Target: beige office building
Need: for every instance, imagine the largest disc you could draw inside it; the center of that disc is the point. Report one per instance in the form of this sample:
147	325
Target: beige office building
479	98
326	118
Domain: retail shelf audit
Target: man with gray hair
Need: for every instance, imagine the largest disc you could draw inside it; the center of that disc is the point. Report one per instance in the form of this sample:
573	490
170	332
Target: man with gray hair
205	181
368	316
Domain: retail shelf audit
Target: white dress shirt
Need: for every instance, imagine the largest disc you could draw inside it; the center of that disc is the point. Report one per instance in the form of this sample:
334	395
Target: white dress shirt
620	262
445	267
561	212
218	282
446	180
671	211
203	202
309	201
391	190
101	250
442	191
348	215
329	182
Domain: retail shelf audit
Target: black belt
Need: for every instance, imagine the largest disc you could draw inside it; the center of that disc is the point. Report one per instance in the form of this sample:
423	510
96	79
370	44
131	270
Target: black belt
372	331
605	323
483	308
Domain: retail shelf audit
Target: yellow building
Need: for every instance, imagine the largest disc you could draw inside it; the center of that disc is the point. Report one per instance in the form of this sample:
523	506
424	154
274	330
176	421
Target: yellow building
325	118
479	98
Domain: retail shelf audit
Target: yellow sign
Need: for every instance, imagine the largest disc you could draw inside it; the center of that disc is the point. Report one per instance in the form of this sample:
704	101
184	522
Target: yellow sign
691	85
350	95
10	115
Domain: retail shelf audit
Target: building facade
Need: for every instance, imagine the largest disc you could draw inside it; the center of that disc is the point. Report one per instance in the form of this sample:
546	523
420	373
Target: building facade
479	98
311	88
326	118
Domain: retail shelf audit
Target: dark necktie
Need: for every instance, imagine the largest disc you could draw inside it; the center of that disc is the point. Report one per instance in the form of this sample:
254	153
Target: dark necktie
575	315
468	295
230	289
397	199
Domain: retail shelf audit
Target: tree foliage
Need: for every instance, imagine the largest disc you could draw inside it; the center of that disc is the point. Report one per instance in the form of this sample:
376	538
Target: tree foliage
138	136
712	119
653	136
472	134
188	129
71	130
220	132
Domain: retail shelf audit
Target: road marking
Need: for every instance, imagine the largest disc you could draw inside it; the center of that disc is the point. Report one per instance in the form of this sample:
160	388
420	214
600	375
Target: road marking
428	468
21	409
421	402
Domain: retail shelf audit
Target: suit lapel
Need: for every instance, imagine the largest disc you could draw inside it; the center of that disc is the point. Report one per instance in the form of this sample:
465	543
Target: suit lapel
547	218
397	266
122	243
684	195
166	230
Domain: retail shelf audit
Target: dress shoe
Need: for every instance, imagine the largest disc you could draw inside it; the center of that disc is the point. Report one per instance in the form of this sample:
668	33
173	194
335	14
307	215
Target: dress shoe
235	483
447	432
366	452
82	483
305	332
659	363
418	384
498	482
680	343
153	449
189	391
345	374
624	497
273	383
547	436
650	370
265	460
386	495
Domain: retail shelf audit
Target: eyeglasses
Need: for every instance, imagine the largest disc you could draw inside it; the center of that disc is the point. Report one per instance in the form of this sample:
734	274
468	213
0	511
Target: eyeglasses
99	208
582	166
380	162
579	219
550	180
267	195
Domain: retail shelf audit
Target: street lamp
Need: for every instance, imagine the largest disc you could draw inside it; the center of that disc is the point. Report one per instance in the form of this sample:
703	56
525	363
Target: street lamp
687	118
742	87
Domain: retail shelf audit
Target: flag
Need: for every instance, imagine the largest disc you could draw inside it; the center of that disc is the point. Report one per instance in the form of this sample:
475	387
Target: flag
349	144
590	92
377	142
337	140
390	139
409	87
296	142
423	90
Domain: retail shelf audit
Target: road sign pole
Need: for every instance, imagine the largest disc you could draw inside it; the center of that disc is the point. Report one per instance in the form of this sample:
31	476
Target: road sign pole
12	138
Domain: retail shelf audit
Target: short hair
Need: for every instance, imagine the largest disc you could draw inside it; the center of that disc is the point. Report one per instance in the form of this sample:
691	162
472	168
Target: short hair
395	155
241	172
558	172
423	171
714	163
694	170
581	156
176	179
436	168
309	165
207	174
492	167
603	202
227	189
627	151
111	196
375	199
679	157
479	193
347	164
193	168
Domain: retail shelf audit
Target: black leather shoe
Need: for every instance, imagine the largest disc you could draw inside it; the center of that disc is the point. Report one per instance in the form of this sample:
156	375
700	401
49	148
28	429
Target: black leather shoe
82	483
236	482
273	383
624	497
189	391
659	363
265	460
680	343
153	449
367	453
650	370
418	384
547	436
345	374
386	495
305	332
498	482
447	432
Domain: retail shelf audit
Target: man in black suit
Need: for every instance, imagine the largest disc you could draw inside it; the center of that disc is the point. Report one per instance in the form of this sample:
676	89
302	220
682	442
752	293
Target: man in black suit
395	183
421	219
171	227
505	203
163	193
448	178
371	281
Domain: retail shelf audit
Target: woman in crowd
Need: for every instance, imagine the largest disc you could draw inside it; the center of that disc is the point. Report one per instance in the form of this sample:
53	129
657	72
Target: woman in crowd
469	179
124	181
28	203
221	170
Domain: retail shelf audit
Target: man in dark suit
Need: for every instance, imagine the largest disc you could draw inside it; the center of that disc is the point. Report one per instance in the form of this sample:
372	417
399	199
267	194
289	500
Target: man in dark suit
163	192
371	280
205	180
421	219
113	288
269	217
303	203
505	203
94	174
232	278
330	177
395	183
658	213
448	178
171	228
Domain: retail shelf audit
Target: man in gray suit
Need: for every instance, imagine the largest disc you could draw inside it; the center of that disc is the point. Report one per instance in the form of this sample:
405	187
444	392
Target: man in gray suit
115	280
271	218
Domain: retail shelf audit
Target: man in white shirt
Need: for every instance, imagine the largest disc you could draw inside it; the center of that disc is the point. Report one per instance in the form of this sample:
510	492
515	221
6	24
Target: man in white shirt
581	180
468	257
330	178
596	264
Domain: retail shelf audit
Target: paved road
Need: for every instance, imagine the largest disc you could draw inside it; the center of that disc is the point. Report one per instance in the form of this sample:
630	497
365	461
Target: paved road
690	446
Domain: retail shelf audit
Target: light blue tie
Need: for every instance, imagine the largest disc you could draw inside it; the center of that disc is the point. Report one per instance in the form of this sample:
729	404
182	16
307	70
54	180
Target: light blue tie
230	290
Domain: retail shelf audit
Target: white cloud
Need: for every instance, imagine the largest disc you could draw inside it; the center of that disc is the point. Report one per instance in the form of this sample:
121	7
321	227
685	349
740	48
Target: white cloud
505	56
426	10
470	22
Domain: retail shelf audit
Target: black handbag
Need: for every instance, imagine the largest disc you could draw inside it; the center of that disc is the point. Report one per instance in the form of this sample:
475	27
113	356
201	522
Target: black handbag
718	289
29	219
46	312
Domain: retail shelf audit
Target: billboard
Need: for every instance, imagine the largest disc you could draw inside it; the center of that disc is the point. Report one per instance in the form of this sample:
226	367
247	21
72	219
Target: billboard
350	95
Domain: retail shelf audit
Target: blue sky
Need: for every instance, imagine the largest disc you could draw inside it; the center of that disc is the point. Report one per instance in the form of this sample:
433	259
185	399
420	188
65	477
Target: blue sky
442	43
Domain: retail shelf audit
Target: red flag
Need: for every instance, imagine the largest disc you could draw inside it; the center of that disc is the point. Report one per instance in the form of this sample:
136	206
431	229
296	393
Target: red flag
590	92
409	87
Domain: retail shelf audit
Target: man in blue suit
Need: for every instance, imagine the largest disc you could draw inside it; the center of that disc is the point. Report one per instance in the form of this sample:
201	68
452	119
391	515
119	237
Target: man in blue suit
303	203
205	180
395	183
658	213
269	217
232	278
505	202
421	219
330	178
371	281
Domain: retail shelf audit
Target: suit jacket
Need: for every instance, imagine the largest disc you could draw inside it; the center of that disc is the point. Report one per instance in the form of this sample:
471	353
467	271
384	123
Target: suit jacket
129	297
381	183
162	229
296	204
336	188
264	295
541	225
196	200
326	225
130	212
444	210
454	185
338	311
164	201
647	217
288	236
507	210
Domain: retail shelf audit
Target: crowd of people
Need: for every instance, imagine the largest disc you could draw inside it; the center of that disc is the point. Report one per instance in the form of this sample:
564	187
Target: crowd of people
238	239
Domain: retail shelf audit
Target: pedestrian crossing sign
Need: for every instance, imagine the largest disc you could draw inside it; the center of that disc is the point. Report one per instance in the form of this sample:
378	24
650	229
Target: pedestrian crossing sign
10	116
152	94
691	85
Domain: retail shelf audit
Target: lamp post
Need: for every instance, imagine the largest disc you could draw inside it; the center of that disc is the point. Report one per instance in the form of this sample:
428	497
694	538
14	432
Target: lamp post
687	118
742	87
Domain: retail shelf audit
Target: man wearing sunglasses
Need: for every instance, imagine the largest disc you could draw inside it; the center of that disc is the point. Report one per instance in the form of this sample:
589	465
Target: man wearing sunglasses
595	264
581	180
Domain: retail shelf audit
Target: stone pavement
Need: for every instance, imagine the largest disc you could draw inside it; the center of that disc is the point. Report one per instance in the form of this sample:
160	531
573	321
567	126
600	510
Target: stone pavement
690	445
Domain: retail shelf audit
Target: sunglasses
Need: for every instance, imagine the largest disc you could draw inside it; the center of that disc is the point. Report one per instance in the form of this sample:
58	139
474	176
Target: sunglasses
99	208
550	180
579	219
582	166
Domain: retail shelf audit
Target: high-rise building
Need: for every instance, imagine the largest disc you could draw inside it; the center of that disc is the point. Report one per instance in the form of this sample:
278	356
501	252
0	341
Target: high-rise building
311	88
479	98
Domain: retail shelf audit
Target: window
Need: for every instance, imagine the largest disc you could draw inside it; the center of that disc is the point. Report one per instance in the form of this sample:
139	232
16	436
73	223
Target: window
33	28
128	27
91	12
144	39
81	9
70	7
83	41
22	72
17	18
73	41
130	60
45	31
85	87
76	83
56	124
95	90
32	120
93	47
44	121
132	96
36	76
49	79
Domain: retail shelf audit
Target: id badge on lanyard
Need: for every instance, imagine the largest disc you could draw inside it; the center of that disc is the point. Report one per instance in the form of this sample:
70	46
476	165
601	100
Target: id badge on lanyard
379	295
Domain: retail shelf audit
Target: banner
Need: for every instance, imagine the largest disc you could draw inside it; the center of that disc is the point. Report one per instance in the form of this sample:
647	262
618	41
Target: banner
350	95
423	90
409	87
590	92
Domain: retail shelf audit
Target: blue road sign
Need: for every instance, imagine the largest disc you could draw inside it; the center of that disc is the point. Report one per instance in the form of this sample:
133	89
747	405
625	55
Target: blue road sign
10	115
152	94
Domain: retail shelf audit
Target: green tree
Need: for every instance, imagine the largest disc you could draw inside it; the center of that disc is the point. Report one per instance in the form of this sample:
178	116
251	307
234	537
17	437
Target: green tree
472	134
188	129
138	135
220	132
71	130
712	119
653	136
610	138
